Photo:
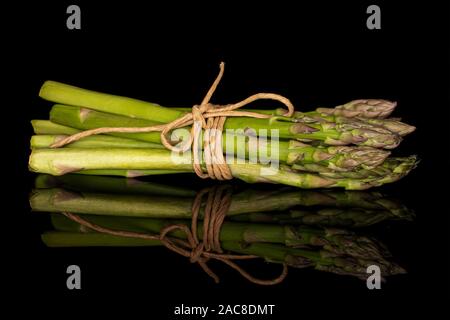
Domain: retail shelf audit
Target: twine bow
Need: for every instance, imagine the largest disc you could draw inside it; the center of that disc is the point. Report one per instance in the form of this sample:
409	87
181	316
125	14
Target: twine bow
205	116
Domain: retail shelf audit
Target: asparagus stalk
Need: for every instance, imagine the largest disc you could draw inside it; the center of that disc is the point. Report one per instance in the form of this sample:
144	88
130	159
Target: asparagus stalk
372	112
350	217
127	173
290	152
377	128
62	161
112	185
326	162
363	108
322	260
58	239
133	205
363	113
48	127
122	197
398	165
230	231
100	141
150	205
351	199
340	242
332	130
84	119
294	257
326	208
277	198
336	243
340	158
71	95
326	217
66	160
390	171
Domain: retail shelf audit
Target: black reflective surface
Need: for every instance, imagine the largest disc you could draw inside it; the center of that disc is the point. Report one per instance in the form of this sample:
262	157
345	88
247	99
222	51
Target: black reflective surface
316	54
324	229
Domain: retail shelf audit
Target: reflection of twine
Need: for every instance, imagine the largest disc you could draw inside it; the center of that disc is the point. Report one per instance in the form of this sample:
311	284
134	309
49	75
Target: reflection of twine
217	204
216	167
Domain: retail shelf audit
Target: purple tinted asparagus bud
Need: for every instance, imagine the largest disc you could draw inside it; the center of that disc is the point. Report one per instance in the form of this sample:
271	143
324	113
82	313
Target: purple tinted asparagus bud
365	108
340	158
393	125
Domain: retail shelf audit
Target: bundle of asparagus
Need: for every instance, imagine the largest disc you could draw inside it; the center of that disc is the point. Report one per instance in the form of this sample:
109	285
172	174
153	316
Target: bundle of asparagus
346	146
145	207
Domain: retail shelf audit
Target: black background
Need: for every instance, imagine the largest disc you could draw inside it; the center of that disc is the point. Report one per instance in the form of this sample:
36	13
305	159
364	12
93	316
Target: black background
315	53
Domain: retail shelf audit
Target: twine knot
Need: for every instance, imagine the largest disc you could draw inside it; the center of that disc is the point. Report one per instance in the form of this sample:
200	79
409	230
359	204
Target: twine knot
205	116
198	111
216	206
196	253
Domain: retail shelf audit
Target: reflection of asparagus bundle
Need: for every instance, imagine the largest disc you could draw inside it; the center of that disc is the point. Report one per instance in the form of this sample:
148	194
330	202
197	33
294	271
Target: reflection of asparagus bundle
342	147
332	217
329	250
144	207
127	197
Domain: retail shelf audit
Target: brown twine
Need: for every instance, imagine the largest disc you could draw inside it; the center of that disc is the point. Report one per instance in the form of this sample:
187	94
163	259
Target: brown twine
216	168
217	204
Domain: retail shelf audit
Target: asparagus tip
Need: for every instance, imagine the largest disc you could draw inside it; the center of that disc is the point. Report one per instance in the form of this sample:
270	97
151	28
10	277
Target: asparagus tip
301	128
